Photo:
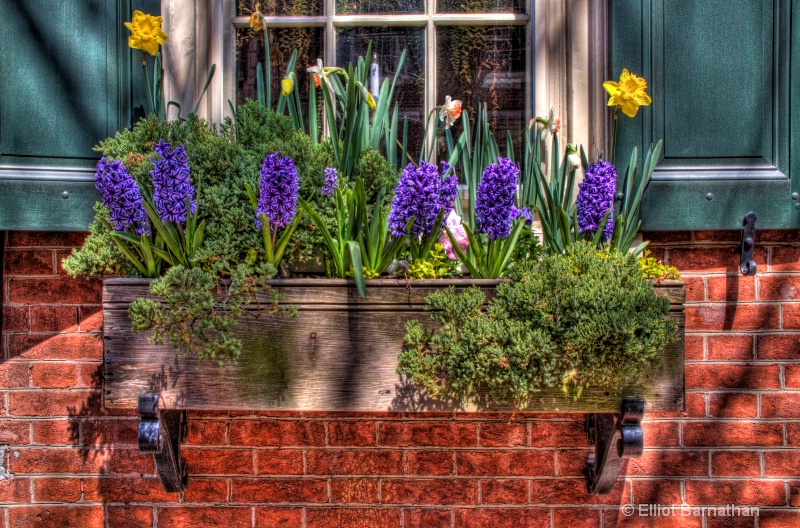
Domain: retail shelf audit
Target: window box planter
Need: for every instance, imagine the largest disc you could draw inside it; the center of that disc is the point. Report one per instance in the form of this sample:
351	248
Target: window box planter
339	353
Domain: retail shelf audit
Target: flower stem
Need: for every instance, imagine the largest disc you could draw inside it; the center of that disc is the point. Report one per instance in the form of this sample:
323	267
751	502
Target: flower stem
147	84
614	134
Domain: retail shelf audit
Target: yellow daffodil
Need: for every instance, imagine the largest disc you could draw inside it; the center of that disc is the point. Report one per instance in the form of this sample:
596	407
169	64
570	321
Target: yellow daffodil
286	87
628	93
370	101
451	110
256	20
146	32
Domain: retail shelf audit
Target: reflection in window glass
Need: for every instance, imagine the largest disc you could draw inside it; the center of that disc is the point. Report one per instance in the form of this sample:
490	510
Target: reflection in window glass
250	45
388	44
485	64
280	7
379	7
480	6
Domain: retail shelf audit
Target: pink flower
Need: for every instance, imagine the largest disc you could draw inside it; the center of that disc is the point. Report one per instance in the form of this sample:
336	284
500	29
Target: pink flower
453	223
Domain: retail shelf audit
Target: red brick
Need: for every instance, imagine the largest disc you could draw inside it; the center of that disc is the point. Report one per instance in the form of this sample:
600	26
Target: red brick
360	462
502	517
503	434
56	516
730	347
778	346
206	490
791	316
49	375
14	432
351	434
197	516
276	433
746	492
52	402
733	405
276	490
56	432
732	288
352	518
571	463
58	290
702	376
505	463
427	518
430	463
207	432
617	519
693	347
279	517
735	464
778	518
354	490
794	493
712	259
792	376
132	462
576	517
61	460
15	319
90	318
280	461
670	463
782	463
695	405
126	489
781	404
653	491
720	317
15	374
729	521
661	434
665	237
778	287
406	434
28	262
695	289
718	236
220	461
558	434
56	489
15	489
504	492
793	433
429	491
785	259
56	346
60	239
54	318
111	433
130	516
720	434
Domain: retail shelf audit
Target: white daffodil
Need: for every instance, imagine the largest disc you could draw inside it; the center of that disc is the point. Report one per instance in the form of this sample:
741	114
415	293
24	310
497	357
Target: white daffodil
451	110
547	124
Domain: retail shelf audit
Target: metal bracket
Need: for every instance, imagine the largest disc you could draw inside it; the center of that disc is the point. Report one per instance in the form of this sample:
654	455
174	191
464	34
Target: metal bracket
161	433
614	438
746	263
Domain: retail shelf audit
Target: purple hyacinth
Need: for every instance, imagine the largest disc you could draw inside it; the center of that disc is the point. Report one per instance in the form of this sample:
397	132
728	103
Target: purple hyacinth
119	192
596	197
279	186
331	181
522	213
494	201
171	186
420	194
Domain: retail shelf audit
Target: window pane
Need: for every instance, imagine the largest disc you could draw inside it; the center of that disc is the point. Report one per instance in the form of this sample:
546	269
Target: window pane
379	7
480	6
485	64
388	43
280	7
282	41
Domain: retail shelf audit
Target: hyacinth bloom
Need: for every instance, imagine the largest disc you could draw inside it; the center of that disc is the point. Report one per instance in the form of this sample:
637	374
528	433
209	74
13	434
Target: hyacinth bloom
494	202
146	33
453	223
172	190
596	197
628	93
523	213
420	194
119	192
331	181
279	187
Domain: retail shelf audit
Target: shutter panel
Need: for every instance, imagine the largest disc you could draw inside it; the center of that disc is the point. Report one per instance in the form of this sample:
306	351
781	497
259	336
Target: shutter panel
65	84
720	76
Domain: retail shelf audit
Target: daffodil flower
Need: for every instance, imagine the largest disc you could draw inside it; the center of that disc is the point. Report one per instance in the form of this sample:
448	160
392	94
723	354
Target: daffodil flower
451	110
547	124
286	87
256	19
573	159
628	93
146	33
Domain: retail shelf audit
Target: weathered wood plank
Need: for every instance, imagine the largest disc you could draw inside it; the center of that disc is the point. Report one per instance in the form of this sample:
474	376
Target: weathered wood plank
337	356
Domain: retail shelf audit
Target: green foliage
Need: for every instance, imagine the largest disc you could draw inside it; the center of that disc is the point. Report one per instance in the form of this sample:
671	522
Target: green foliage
576	321
657	271
197	312
437	265
99	254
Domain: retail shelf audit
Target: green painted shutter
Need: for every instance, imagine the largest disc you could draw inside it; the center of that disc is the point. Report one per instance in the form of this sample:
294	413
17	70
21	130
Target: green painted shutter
721	74
65	84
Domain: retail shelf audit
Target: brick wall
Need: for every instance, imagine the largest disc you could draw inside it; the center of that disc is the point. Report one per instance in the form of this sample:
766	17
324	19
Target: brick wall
68	462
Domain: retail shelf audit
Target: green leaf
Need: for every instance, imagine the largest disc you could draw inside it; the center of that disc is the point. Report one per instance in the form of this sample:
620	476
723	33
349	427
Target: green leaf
354	251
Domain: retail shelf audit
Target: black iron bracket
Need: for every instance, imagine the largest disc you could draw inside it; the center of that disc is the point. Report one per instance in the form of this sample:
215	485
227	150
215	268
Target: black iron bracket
161	433
747	265
615	437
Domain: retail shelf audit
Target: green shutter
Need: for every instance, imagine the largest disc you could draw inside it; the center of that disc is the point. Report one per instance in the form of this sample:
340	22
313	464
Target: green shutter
65	84
720	74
